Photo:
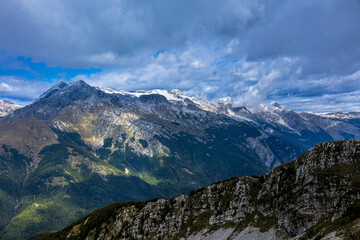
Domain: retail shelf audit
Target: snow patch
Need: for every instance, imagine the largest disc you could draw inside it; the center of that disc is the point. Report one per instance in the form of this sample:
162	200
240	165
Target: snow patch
7	107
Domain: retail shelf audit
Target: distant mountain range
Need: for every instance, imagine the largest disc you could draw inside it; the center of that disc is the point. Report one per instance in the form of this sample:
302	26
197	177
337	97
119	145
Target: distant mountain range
7	107
316	196
79	147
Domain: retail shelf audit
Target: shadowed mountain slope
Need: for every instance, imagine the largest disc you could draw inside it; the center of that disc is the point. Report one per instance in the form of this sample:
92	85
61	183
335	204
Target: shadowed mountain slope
316	196
78	147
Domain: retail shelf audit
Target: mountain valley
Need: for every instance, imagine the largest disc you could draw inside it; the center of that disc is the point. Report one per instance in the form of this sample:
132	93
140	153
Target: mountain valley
78	147
317	196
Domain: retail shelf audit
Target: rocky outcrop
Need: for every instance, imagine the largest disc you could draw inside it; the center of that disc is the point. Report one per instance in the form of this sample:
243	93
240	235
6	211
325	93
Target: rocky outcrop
273	132
78	147
317	196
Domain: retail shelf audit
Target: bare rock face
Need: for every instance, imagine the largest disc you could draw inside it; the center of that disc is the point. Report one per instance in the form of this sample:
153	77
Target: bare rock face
317	196
79	147
273	132
28	135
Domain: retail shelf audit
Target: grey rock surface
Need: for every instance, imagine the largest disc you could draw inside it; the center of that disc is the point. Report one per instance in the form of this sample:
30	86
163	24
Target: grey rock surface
311	197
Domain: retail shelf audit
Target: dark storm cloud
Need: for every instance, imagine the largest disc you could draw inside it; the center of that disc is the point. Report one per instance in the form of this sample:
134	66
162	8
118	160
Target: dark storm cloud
253	50
97	32
324	33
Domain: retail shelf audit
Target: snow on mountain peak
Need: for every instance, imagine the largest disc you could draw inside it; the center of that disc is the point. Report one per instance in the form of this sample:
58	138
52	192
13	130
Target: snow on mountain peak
225	100
7	107
278	107
173	95
62	94
3	102
338	115
177	92
52	90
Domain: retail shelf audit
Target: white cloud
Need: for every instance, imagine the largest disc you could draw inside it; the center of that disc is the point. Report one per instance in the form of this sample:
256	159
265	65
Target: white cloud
21	90
104	58
251	50
5	87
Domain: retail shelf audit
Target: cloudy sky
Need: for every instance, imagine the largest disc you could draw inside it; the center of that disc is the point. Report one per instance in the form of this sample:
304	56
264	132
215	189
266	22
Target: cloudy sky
303	54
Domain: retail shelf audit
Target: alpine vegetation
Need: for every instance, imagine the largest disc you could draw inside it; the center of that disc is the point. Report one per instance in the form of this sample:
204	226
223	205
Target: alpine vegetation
78	147
317	196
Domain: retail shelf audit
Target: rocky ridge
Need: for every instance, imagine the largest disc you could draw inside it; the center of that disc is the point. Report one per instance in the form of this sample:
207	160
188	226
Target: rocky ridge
316	196
78	147
98	113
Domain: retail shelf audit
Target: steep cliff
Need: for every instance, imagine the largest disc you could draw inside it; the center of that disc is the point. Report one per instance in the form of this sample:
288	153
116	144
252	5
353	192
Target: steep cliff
79	147
317	196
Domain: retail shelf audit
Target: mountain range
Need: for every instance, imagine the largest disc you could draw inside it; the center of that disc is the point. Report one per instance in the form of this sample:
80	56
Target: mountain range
79	147
7	107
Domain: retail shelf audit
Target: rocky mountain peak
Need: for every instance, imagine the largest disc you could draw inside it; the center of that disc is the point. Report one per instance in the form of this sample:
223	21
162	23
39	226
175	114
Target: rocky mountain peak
63	86
6	102
277	106
7	107
84	142
68	105
51	90
49	104
225	101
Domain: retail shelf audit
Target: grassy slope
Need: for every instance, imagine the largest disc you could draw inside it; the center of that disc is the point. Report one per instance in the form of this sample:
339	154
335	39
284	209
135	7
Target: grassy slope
327	178
60	191
56	193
